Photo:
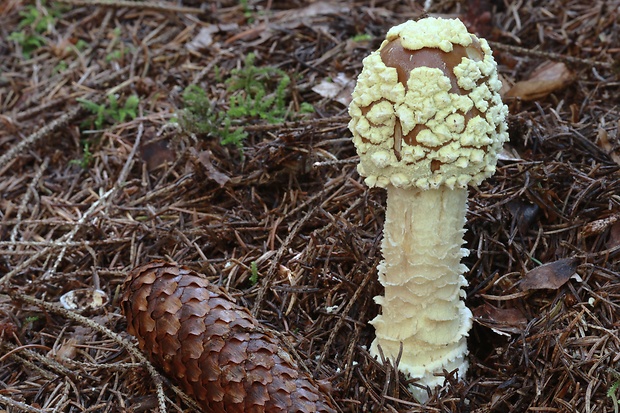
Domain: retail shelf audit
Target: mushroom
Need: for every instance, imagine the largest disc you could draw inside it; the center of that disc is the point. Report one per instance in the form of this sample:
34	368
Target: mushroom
427	121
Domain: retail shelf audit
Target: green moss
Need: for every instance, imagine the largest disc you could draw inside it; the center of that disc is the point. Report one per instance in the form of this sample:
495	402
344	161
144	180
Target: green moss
253	93
33	24
112	112
362	37
254	275
613	389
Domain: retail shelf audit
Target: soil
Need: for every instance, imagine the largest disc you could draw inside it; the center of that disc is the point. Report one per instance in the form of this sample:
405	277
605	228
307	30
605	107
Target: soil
93	186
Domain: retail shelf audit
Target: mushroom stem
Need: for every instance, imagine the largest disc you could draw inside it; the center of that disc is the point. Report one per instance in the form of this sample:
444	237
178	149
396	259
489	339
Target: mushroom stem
423	275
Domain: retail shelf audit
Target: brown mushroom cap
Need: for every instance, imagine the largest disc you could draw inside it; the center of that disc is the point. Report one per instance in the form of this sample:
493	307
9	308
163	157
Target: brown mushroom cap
426	109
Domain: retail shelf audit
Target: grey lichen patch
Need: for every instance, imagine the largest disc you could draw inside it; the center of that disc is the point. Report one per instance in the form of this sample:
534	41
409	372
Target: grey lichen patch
431	113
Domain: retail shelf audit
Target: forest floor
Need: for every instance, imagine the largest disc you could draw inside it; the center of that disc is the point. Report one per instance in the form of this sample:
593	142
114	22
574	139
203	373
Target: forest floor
214	134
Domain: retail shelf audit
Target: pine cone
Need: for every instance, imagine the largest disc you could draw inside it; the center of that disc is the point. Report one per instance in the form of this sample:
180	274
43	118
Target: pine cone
213	348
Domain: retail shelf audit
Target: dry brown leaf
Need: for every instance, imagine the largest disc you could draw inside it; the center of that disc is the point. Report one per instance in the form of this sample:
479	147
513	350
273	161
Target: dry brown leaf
603	141
68	350
7	328
549	276
156	154
524	214
204	39
598	226
339	88
547	78
503	321
614	236
204	159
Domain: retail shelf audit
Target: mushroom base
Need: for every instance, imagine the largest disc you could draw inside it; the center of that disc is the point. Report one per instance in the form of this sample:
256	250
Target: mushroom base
424	322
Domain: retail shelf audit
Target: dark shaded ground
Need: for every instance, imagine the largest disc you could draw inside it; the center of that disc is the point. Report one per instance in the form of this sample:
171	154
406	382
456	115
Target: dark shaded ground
292	202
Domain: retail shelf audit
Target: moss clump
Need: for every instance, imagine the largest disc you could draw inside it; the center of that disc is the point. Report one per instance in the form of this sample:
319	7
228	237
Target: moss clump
253	93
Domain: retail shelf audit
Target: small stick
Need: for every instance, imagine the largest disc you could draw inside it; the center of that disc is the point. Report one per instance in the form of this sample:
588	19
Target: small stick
131	349
26	201
298	124
18	405
278	258
57	123
101	201
51	127
165	7
549	55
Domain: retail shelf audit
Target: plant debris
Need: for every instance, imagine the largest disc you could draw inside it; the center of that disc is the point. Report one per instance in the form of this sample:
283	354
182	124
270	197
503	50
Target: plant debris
279	216
549	276
546	79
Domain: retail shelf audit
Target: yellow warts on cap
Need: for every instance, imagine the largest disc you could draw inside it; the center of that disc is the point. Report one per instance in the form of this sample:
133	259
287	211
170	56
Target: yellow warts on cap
426	109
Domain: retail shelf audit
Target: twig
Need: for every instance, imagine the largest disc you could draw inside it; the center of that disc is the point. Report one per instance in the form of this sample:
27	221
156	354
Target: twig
119	183
64	398
180	183
7	277
143	5
24	347
549	55
131	349
69	236
32	367
81	243
64	241
71	115
40	108
26	201
339	162
297	124
206	70
57	123
278	258
343	317
49	362
126	168
97	366
19	405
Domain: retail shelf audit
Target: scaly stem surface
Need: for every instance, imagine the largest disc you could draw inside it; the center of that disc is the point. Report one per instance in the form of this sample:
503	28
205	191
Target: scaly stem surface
422	274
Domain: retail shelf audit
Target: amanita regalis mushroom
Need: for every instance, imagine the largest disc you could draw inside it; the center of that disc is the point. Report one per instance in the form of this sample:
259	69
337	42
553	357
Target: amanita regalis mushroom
427	121
213	348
